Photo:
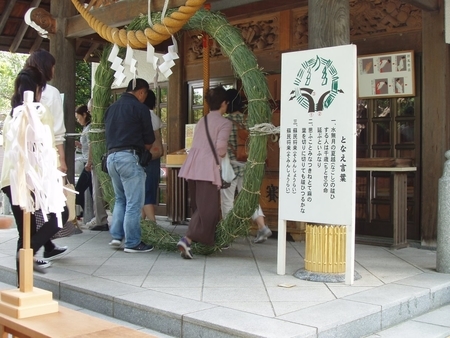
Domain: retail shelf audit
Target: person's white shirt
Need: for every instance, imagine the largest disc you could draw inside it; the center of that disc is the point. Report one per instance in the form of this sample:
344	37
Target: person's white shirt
51	98
156	121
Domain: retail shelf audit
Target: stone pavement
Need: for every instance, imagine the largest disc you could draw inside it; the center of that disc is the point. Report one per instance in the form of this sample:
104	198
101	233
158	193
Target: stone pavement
237	292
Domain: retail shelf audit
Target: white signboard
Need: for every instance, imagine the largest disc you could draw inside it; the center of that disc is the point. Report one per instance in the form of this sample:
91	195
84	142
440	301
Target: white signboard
318	136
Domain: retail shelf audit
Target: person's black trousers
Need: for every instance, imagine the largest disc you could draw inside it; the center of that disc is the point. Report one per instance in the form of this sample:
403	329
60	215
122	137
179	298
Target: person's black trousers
84	182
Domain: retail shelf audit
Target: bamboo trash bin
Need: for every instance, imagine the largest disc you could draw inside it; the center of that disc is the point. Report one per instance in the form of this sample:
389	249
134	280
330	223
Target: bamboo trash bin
325	248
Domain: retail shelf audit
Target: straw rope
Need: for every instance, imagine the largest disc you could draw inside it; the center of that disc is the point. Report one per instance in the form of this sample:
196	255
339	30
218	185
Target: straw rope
237	223
156	34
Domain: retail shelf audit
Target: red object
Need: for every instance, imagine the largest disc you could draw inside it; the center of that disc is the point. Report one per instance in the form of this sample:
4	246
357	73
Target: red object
205	40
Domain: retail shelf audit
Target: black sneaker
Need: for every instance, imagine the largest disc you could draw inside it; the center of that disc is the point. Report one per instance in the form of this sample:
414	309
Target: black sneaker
103	227
56	253
142	247
39	265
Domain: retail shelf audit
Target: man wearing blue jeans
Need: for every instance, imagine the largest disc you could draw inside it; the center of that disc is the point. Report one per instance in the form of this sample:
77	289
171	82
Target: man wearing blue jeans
129	132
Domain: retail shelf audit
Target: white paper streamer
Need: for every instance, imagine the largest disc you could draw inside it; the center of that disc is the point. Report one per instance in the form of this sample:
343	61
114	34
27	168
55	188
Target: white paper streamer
119	75
113	57
151	57
128	55
175	45
35	158
116	64
132	62
172	54
114	53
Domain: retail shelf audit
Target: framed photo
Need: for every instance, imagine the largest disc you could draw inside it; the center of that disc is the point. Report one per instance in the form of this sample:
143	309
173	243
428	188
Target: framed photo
386	75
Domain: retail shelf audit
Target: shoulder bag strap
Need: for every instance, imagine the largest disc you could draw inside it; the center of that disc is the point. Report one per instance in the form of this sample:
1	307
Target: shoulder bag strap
210	141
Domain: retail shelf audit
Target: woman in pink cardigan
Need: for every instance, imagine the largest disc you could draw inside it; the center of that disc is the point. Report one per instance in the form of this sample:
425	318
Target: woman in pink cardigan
202	173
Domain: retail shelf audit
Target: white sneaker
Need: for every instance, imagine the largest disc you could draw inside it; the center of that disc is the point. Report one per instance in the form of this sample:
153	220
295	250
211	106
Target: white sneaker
262	235
92	223
115	243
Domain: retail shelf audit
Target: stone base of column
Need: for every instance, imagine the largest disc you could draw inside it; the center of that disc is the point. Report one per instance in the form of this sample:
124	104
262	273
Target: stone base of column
322	277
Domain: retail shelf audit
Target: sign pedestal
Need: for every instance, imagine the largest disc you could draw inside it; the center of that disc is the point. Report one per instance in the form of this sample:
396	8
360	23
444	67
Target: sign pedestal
26	301
18	304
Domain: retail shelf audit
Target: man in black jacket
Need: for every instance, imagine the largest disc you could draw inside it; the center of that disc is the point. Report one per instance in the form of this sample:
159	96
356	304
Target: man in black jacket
129	133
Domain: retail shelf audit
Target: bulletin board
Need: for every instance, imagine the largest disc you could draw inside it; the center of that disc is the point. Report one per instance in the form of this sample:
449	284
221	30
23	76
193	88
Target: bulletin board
386	75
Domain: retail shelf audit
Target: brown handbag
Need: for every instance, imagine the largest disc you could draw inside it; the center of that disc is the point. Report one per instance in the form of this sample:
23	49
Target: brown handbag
241	149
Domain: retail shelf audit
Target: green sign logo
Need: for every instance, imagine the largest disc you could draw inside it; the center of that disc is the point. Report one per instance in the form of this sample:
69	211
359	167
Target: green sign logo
317	78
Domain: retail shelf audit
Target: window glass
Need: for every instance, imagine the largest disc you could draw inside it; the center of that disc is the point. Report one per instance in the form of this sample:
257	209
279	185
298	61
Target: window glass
163	95
405	106
195	90
382	133
406	131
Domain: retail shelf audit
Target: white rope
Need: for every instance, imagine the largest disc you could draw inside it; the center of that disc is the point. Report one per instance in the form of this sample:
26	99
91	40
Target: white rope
264	129
92	130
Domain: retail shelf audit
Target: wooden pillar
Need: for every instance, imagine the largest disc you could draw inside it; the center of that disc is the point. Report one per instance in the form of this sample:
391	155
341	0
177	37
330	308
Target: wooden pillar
177	114
177	117
435	112
328	23
64	52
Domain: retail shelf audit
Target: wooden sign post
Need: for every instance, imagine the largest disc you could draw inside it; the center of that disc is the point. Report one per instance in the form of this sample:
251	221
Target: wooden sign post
26	257
26	301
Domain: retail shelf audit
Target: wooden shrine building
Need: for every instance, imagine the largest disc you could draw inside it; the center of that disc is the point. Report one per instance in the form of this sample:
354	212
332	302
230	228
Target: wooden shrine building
394	131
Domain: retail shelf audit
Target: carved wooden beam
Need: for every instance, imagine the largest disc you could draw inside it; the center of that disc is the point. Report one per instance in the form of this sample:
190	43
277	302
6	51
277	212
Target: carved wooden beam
426	5
43	19
115	15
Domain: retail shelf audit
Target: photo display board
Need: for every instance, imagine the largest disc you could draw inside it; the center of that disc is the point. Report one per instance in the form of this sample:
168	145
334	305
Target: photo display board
318	136
386	75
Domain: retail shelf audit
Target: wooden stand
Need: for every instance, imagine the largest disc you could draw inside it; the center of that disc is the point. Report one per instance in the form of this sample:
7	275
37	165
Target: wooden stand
400	209
30	312
26	301
65	323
